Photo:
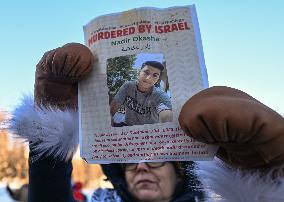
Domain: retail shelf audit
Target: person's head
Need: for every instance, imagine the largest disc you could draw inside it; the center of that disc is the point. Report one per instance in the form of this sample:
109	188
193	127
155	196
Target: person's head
149	75
152	181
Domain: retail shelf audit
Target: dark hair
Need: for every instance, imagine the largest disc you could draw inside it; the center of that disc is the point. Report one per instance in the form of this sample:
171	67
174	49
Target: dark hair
155	64
179	168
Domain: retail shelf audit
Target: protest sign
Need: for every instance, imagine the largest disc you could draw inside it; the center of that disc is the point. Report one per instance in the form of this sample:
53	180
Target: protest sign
149	62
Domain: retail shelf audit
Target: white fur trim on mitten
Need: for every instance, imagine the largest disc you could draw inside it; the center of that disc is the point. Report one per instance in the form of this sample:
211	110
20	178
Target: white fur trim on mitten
231	185
50	131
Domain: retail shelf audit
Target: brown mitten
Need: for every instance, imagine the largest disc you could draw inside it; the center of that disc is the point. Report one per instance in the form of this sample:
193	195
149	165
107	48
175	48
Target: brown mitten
250	134
58	74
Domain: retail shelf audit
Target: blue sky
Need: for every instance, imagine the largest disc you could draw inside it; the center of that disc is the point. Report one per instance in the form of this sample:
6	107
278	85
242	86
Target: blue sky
242	40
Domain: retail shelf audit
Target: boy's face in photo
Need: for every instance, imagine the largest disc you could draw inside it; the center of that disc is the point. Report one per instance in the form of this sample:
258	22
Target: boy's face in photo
148	76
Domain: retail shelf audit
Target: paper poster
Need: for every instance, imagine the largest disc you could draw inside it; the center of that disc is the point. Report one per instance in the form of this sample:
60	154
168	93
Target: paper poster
149	63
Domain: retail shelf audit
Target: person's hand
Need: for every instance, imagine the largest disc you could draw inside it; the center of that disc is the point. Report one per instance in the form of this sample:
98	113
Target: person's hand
50	122
50	130
250	134
58	74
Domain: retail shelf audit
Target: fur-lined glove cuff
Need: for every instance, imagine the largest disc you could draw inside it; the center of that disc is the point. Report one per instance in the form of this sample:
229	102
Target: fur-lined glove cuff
50	131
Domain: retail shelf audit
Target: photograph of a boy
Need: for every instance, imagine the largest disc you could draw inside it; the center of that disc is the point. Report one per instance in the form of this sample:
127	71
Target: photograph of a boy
141	99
